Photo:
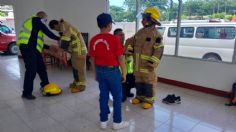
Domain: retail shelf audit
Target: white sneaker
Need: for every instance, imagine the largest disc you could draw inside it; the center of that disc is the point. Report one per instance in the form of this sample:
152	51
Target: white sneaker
103	125
121	125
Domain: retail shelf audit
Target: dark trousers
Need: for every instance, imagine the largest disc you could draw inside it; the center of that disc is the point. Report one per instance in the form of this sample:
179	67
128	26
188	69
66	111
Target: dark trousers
128	85
33	64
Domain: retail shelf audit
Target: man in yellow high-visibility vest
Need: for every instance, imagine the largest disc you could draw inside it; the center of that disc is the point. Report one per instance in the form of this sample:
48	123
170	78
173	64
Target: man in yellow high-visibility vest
31	43
73	42
130	79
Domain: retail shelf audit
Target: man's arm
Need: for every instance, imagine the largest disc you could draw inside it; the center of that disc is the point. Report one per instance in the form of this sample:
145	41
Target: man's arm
45	30
123	67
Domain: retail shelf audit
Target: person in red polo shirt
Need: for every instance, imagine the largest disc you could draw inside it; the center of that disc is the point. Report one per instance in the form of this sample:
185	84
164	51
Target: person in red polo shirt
106	55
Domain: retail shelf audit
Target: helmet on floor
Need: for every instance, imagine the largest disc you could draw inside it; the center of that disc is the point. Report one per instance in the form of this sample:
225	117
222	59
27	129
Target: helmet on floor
51	89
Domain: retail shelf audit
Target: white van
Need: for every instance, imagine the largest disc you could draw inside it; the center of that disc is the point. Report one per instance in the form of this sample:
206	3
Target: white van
214	41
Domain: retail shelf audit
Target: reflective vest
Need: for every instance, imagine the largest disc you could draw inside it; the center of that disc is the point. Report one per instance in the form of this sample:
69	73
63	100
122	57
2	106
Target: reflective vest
129	64
25	33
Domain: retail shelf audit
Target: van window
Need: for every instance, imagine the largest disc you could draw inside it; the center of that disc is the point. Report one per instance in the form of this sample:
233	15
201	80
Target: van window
5	29
161	30
185	32
215	32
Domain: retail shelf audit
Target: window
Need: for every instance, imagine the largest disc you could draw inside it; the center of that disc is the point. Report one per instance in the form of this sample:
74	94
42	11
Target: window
5	29
161	30
172	32
215	32
185	32
215	42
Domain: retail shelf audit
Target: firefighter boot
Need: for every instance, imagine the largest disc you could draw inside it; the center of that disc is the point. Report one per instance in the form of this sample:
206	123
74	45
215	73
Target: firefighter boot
72	85
82	87
147	106
135	101
75	89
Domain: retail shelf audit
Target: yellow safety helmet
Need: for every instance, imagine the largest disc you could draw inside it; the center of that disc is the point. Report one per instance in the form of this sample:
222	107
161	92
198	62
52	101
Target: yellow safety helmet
51	89
155	14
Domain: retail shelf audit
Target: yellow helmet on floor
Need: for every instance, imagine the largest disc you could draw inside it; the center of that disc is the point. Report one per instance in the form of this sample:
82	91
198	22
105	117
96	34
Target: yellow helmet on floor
51	89
155	14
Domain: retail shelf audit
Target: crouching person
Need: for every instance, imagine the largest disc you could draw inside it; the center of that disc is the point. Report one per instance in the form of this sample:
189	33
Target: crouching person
73	42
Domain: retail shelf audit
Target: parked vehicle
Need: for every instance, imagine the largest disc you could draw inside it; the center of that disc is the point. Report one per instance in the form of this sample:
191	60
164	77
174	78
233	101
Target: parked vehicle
7	40
211	41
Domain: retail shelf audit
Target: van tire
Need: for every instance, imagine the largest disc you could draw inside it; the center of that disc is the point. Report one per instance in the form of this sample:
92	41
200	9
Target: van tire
212	57
12	48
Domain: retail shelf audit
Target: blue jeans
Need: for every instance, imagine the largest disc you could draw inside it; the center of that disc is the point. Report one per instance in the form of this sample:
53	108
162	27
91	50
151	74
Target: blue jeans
109	80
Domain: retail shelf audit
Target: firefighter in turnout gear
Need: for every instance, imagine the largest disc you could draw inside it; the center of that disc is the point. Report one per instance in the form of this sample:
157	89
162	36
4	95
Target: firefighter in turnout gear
147	48
73	42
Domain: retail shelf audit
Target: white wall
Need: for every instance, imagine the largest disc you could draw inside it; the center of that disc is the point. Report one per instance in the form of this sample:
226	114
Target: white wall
81	13
219	76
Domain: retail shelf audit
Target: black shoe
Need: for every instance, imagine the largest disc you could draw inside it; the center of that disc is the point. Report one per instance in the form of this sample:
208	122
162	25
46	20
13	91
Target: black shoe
169	99
124	99
229	104
130	95
172	99
29	97
177	100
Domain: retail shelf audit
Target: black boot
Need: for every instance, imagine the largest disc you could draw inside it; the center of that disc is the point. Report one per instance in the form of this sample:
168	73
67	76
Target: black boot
130	94
29	97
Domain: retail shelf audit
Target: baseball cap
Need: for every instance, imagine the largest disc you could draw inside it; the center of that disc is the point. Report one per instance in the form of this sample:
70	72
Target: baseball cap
104	19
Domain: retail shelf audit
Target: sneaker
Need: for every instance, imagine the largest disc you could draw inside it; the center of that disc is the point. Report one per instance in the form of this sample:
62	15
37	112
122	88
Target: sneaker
172	99
177	100
169	99
103	125
121	125
29	97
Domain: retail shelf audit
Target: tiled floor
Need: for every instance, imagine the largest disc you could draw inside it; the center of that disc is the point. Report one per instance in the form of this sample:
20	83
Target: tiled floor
80	112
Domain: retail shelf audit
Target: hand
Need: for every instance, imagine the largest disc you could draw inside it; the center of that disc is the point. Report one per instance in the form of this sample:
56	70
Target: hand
128	53
151	66
54	48
123	78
